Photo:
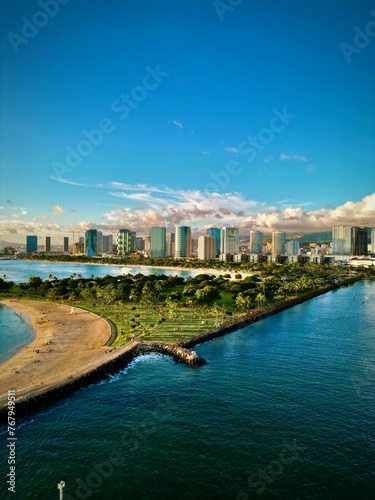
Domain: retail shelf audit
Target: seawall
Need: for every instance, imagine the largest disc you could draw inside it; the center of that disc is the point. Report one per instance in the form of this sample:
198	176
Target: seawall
252	318
48	397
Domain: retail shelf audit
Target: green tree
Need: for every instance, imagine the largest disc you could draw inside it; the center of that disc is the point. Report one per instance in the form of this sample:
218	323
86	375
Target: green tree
207	295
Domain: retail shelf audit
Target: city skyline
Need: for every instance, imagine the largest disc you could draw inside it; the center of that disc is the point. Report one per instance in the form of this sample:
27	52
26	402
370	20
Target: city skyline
267	126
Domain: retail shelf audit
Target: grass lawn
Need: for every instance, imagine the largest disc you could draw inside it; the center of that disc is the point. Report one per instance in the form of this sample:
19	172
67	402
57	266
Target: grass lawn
156	323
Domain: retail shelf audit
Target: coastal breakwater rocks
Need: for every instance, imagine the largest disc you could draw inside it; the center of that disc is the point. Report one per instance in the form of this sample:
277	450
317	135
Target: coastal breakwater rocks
179	354
120	359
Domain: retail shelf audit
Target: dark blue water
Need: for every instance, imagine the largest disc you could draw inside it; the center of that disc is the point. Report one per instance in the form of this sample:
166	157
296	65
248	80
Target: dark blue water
15	332
20	270
283	409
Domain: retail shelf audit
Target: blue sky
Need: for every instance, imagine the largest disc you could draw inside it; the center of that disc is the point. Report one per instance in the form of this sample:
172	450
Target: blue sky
203	114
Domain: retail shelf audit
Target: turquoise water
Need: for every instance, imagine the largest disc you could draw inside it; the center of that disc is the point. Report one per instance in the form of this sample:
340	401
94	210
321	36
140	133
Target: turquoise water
283	409
15	332
20	270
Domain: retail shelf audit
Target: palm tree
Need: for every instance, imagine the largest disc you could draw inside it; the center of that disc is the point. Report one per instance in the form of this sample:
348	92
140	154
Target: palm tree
240	301
260	298
134	295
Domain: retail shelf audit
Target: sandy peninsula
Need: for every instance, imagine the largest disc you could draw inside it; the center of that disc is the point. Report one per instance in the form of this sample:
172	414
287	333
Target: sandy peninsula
66	346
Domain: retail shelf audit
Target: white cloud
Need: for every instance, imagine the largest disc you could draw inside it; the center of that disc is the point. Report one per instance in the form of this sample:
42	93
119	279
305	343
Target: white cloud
147	205
71	183
296	219
56	209
292	157
176	123
232	150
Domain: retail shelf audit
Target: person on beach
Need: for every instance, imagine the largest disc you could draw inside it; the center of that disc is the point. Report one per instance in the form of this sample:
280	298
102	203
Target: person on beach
72	311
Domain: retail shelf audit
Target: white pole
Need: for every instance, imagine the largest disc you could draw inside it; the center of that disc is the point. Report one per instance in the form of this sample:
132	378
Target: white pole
60	486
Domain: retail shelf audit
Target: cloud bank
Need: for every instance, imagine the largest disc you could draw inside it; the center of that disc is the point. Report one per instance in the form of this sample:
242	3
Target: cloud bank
140	206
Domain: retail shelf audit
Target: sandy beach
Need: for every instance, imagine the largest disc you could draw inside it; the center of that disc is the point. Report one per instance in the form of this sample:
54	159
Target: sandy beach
65	346
200	270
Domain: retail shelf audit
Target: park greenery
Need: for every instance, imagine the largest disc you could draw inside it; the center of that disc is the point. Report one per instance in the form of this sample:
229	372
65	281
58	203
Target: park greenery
170	308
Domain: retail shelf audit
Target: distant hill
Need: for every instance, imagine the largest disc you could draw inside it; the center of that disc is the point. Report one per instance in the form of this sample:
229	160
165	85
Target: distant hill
312	237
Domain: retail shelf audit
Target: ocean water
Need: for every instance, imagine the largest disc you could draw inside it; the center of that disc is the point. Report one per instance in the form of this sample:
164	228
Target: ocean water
15	332
283	409
20	270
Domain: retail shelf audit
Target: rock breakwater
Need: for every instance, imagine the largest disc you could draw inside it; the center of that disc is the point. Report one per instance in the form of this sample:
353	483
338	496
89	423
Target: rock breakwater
179	354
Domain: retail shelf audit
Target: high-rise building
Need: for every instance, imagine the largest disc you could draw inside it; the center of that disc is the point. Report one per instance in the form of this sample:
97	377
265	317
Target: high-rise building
372	241
140	244
158	242
91	236
216	233
126	241
99	243
66	244
182	242
230	240
292	247
207	247
360	241
108	244
255	245
342	240
278	243
147	244
31	244
170	244
48	243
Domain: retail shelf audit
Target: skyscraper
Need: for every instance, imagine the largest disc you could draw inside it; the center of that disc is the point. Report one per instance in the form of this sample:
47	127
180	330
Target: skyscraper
147	244
216	233
108	243
158	242
31	244
170	244
126	240
207	247
230	240
255	242
292	247
278	243
372	241
48	243
182	242
360	241
66	244
342	240
140	244
91	242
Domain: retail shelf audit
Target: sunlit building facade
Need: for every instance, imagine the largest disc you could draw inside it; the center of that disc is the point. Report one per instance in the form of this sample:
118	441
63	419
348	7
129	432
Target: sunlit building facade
255	245
278	243
182	242
158	242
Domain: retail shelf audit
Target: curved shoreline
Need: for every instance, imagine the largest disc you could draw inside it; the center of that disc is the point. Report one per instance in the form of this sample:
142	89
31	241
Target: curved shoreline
197	270
119	358
25	318
62	349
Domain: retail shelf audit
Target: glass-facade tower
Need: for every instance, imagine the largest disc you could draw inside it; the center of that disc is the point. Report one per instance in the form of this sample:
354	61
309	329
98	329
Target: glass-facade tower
158	242
182	242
